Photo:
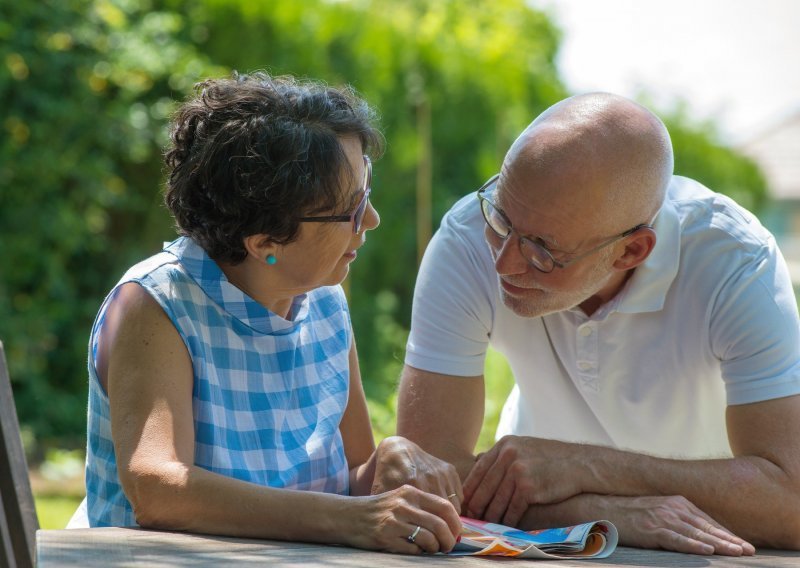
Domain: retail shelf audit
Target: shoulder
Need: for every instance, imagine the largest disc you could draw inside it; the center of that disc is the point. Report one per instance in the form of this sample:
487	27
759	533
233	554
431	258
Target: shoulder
134	308
168	281
714	219
725	251
464	220
159	287
162	261
457	268
459	242
732	270
131	325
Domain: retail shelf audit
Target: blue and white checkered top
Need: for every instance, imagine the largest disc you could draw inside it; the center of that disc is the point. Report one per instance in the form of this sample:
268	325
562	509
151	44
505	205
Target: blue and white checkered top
268	393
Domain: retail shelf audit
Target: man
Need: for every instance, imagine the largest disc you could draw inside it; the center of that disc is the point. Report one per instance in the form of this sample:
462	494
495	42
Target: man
652	331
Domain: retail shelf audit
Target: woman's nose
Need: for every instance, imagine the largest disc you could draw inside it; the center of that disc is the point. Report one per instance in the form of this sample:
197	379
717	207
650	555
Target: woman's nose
371	217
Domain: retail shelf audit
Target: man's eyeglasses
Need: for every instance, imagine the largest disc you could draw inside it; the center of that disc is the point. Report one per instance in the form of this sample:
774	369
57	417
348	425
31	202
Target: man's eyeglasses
534	252
357	216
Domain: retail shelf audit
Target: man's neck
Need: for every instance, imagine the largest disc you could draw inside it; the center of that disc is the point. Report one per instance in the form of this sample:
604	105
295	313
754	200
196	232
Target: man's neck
606	294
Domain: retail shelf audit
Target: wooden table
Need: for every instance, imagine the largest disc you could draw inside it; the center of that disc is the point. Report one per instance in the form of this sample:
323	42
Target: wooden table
108	547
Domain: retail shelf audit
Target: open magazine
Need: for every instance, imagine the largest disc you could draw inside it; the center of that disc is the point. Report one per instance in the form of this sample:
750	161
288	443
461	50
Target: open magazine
597	539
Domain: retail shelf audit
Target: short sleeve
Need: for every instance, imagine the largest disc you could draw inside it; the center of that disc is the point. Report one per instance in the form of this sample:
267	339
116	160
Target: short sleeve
755	330
454	297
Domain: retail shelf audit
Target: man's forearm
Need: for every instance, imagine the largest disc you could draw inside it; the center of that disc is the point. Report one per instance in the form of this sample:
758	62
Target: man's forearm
443	414
751	496
754	497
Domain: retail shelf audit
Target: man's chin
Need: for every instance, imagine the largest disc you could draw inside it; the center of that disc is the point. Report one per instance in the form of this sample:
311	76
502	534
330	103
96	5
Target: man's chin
537	305
525	307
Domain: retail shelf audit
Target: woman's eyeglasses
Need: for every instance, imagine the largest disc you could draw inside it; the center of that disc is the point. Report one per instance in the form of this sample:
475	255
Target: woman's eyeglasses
357	216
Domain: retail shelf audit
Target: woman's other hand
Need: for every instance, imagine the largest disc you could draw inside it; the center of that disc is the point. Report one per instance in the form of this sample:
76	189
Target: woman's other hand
401	462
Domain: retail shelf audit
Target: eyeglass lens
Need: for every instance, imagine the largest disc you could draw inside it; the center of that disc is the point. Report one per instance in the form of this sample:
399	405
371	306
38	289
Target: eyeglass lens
358	214
531	250
495	219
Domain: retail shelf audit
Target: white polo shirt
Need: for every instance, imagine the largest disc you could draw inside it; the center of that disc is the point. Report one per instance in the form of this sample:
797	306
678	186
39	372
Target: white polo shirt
709	319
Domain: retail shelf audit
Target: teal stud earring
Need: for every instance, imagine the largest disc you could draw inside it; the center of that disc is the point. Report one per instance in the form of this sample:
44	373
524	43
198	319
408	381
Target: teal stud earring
271	259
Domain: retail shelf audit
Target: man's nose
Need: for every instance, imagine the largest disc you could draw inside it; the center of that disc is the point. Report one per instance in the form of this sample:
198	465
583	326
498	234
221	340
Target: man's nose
508	258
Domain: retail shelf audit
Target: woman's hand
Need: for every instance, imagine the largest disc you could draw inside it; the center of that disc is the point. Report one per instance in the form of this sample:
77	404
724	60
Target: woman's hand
401	462
386	521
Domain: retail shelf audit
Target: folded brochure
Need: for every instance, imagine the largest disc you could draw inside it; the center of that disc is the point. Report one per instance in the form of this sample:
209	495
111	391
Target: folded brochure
597	539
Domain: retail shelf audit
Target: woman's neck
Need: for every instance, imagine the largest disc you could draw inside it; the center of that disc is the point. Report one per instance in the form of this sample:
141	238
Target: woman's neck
254	281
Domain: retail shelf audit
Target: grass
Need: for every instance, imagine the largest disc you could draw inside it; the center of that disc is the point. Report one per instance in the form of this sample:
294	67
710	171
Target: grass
55	511
57	485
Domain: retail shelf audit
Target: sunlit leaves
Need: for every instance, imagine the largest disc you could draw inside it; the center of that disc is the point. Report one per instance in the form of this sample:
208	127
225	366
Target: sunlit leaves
86	89
87	86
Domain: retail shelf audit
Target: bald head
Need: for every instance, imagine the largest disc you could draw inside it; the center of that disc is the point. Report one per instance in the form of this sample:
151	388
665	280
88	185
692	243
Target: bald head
599	151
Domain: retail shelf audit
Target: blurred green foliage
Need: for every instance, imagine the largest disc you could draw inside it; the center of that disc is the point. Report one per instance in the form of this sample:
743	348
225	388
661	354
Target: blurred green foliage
87	87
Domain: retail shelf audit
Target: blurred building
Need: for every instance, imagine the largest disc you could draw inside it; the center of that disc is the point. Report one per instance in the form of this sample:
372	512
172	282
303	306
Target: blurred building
777	152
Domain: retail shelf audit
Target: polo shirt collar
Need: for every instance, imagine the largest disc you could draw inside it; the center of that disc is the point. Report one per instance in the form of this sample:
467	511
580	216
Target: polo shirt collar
209	276
646	290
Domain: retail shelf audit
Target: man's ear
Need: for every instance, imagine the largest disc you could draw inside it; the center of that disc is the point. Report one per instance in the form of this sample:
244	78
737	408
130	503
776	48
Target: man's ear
638	247
259	246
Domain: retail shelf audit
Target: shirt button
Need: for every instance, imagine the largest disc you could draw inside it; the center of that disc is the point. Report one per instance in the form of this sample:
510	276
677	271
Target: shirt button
584	365
585	331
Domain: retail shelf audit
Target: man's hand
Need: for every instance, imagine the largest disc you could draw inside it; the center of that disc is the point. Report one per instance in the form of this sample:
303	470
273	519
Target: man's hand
671	523
518	472
401	462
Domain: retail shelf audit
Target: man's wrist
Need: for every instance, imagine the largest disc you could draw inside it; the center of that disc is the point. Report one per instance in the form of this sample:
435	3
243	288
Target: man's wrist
591	464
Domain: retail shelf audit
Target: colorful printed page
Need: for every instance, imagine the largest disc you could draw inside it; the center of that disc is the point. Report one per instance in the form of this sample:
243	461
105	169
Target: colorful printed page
597	539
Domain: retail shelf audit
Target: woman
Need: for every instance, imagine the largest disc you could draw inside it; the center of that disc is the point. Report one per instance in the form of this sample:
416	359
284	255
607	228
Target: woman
225	394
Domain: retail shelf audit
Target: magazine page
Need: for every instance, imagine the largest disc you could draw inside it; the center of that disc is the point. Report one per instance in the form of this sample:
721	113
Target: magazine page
597	539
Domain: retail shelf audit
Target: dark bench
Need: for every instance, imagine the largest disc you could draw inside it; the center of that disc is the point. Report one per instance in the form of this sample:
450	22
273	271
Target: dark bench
18	520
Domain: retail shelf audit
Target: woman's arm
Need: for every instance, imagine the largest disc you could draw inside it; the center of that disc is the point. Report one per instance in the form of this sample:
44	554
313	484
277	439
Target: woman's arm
147	371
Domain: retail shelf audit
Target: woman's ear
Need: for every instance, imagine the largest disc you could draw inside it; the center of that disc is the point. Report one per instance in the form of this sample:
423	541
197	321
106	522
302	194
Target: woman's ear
260	247
638	247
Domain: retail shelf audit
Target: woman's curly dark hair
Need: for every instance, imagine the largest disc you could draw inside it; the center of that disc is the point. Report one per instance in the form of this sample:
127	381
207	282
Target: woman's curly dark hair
253	153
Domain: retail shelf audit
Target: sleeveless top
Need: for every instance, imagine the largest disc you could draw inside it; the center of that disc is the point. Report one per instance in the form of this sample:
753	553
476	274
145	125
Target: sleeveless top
268	393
